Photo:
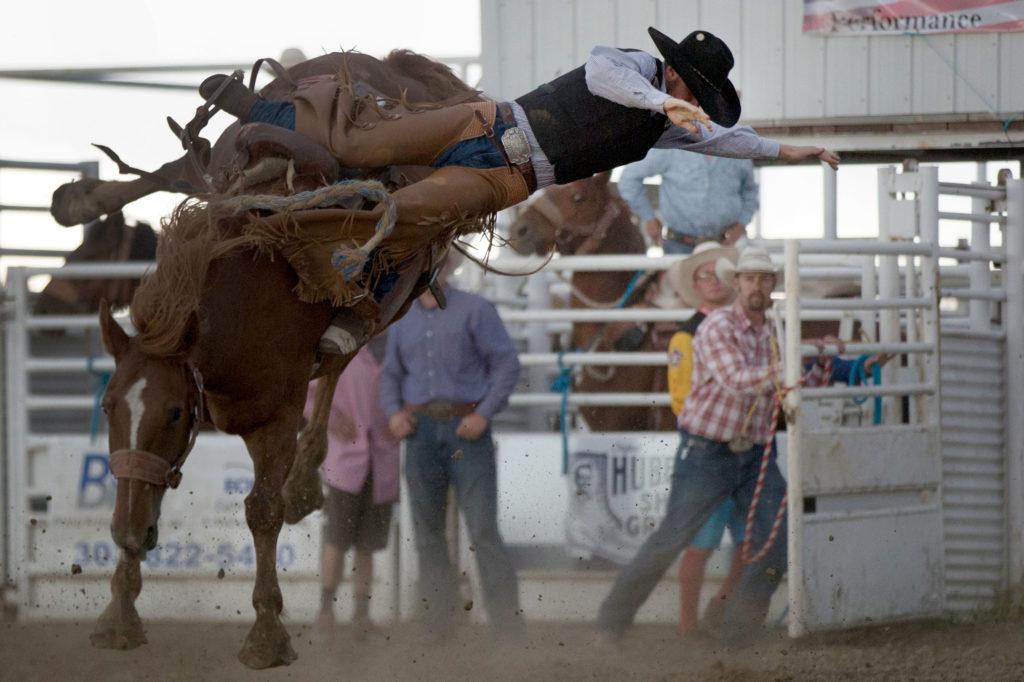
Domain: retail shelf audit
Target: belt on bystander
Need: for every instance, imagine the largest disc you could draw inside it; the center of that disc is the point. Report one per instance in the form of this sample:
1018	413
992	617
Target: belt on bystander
441	409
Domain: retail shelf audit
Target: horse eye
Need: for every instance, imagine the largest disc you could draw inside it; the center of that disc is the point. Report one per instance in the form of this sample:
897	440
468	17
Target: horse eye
577	197
174	414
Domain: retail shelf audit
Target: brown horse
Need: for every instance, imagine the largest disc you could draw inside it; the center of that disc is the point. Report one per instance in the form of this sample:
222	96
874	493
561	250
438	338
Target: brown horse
588	217
109	240
222	332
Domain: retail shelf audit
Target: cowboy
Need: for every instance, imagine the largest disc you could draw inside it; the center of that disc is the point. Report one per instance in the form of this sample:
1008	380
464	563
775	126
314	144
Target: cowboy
701	198
698	286
446	374
492	155
725	424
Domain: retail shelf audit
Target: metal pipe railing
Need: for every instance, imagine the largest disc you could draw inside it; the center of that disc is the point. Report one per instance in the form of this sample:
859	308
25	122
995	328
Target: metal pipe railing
979	191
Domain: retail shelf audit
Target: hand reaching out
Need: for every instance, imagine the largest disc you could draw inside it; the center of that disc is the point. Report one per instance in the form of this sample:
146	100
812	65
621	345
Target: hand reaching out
685	115
788	152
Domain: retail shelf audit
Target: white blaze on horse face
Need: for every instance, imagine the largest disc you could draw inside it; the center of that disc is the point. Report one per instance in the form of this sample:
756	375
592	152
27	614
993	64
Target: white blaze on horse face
133	398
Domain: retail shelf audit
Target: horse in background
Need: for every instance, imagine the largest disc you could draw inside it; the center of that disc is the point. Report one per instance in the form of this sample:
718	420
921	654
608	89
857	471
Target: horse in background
110	240
588	217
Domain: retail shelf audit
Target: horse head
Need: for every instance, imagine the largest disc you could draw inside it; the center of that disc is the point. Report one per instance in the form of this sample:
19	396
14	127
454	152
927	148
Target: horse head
110	240
154	407
574	218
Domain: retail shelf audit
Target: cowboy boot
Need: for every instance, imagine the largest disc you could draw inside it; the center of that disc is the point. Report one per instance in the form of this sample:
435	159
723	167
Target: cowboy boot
235	98
346	334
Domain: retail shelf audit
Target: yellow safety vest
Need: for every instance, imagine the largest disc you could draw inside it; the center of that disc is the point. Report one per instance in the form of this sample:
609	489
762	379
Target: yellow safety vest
680	362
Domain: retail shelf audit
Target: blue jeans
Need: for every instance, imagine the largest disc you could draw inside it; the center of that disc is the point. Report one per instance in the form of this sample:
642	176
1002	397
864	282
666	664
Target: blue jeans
477	152
706	473
430	466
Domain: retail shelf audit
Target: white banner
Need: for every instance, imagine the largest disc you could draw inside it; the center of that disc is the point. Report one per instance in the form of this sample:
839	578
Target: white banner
618	492
912	17
202	523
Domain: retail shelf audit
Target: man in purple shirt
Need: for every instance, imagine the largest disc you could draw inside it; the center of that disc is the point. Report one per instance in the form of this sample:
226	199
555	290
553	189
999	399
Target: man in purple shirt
446	373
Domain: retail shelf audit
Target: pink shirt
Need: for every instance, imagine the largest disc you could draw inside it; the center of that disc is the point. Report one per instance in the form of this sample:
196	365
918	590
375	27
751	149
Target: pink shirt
349	461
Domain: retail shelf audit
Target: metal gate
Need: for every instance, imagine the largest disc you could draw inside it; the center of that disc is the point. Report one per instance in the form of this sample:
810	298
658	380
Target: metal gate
974	468
865	519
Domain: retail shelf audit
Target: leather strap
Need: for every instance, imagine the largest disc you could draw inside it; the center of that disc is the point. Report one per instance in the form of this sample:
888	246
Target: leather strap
144	466
679	237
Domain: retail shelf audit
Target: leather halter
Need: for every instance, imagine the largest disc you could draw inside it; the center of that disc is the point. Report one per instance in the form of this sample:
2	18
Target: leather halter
595	232
142	465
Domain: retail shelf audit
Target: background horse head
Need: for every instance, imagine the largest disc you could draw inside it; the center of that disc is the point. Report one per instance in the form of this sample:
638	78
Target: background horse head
588	217
109	240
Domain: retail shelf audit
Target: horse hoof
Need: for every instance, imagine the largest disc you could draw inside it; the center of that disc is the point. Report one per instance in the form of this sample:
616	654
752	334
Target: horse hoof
298	504
260	656
72	203
118	638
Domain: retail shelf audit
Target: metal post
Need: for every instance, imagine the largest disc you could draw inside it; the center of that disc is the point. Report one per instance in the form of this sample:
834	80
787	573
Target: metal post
794	480
979	312
758	223
928	219
17	426
912	330
828	179
888	287
538	297
1013	275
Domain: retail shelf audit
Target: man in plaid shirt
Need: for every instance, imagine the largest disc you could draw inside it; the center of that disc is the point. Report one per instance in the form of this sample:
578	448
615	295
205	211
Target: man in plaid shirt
724	424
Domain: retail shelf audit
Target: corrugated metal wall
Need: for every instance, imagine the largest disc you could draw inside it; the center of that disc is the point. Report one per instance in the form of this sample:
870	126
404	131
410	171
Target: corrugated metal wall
973	468
782	73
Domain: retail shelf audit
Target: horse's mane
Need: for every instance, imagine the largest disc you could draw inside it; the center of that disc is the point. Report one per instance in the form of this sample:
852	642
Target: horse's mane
437	78
191	239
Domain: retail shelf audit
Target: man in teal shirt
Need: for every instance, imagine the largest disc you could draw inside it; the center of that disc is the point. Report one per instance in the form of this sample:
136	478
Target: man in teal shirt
702	198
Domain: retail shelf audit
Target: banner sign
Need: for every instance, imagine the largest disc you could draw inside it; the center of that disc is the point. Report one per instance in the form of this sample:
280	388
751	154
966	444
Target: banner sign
912	17
202	523
618	493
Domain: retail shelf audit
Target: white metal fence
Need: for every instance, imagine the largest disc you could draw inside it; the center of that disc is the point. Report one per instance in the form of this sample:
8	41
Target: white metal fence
902	277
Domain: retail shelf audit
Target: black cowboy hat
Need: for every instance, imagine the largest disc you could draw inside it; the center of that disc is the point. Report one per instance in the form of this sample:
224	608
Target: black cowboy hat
703	61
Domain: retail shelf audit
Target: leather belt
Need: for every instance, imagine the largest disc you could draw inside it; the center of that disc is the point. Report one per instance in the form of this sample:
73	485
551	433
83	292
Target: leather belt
525	167
680	238
442	409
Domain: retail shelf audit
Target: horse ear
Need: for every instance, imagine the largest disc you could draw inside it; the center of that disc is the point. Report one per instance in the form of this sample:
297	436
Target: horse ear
115	340
190	334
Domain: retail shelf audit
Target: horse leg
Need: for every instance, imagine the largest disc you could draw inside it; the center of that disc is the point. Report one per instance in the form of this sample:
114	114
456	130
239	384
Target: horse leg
119	627
85	200
272	448
303	492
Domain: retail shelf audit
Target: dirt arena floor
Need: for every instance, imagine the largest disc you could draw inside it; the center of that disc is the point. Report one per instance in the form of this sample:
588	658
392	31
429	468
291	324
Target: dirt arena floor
179	651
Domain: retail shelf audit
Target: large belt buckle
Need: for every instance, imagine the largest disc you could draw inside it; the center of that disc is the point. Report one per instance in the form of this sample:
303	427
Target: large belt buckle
739	445
516	145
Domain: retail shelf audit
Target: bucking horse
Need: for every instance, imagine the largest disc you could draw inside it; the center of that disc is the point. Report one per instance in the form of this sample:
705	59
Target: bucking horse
248	277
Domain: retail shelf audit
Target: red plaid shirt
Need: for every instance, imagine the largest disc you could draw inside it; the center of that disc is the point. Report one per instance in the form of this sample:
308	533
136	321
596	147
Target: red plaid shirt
732	370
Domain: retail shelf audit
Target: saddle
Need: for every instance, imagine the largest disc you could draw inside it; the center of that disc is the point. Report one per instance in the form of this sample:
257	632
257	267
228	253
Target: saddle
265	153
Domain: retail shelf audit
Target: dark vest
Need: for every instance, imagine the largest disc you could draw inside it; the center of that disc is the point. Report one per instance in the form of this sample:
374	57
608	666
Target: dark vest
582	133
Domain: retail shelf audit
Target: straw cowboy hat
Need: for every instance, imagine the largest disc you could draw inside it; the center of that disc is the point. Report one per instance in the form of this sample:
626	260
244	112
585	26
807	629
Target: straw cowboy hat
680	275
751	259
